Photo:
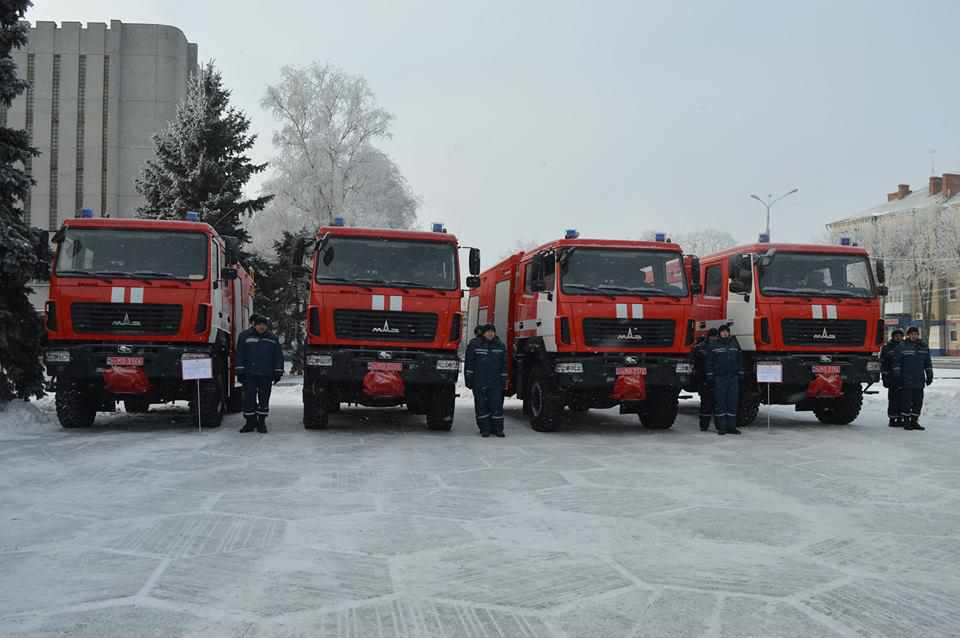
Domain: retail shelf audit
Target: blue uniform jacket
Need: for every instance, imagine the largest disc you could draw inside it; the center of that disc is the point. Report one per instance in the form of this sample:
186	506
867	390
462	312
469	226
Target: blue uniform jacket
486	363
912	365
724	359
259	355
886	361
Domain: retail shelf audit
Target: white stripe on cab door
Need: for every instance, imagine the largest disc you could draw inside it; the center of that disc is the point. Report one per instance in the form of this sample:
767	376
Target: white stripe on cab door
136	295
378	302
116	295
396	303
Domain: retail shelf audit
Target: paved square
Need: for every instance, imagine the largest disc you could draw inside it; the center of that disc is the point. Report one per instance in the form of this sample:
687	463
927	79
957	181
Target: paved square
377	527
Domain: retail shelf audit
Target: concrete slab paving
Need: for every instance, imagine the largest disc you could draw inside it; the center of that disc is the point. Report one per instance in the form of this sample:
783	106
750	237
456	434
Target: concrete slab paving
377	527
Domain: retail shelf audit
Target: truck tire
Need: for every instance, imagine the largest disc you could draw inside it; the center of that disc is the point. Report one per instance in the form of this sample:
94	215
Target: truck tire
661	409
842	411
749	406
315	404
546	404
136	406
75	405
441	409
211	404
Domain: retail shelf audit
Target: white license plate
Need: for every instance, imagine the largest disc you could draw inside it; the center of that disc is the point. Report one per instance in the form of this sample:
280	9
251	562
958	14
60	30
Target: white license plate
826	369
125	361
383	366
631	372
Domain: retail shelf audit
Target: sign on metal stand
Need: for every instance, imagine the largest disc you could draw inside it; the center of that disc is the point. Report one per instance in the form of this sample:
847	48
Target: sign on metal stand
197	369
769	373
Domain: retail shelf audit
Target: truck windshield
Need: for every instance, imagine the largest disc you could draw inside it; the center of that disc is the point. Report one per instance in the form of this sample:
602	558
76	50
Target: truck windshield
817	274
591	271
388	262
116	252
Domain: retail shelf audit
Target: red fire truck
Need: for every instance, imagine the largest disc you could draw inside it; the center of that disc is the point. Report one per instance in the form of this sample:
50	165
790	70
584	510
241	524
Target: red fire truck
129	300
383	322
592	324
811	310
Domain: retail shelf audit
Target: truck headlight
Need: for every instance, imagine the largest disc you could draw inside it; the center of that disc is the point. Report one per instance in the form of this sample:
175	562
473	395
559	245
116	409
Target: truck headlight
873	366
57	356
684	368
448	364
322	360
195	355
569	368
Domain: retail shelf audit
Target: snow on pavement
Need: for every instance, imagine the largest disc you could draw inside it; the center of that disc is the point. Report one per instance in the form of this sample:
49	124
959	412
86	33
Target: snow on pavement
377	527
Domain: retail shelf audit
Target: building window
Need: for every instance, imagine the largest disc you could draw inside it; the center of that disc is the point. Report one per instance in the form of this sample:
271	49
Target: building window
952	293
54	143
953	335
713	282
28	125
105	135
81	126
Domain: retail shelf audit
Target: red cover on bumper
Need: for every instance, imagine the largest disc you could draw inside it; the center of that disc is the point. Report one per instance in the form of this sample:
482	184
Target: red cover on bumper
120	380
630	388
381	383
825	386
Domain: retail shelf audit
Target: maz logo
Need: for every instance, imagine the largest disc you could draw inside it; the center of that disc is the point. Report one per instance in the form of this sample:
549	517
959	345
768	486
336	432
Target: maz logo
386	329
126	321
630	335
824	336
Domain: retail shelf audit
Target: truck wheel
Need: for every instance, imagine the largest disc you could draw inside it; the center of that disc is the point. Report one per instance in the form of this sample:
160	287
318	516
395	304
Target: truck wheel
75	405
749	406
842	411
661	409
315	400
546	404
211	404
441	408
136	406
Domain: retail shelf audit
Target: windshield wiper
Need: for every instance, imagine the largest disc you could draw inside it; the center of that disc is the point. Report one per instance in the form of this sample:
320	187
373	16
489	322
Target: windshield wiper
809	292
85	273
120	273
152	273
642	290
341	280
595	289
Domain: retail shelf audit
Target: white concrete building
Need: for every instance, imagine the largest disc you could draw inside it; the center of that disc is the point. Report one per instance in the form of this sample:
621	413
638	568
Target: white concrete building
97	95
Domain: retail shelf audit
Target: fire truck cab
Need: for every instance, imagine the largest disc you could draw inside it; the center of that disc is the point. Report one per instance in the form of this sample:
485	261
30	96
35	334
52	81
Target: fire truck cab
132	298
383	322
593	323
813	310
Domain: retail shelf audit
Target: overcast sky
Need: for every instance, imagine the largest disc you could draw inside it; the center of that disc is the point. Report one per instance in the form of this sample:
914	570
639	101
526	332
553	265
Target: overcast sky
515	120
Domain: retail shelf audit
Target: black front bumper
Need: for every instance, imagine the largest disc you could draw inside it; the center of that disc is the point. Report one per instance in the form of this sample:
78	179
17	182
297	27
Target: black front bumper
348	366
600	370
88	361
798	369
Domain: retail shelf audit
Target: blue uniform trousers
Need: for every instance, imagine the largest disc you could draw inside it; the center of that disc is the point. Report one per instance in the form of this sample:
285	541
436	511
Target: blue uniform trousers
256	395
488	403
726	399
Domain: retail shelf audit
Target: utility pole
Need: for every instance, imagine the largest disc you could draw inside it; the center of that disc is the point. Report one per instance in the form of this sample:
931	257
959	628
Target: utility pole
768	204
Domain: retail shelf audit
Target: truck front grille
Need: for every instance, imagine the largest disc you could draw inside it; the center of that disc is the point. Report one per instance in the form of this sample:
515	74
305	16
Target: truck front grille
121	318
374	325
634	333
824	332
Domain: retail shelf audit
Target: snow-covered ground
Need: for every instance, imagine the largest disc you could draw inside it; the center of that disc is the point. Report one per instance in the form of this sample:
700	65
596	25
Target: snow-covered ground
377	527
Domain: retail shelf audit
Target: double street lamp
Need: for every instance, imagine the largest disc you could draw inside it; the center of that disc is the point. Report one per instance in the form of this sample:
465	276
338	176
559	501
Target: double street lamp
768	204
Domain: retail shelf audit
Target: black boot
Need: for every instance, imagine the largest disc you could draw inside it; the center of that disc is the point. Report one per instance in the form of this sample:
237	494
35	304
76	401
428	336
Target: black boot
895	422
499	435
250	425
914	423
262	423
734	431
704	423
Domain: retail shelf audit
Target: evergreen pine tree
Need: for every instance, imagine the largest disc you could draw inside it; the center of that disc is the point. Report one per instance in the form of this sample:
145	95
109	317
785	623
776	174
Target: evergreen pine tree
23	251
201	161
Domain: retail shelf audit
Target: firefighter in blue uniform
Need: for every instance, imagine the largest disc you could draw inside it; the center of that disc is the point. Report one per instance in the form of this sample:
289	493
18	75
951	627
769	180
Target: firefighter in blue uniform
913	369
700	378
259	365
485	372
886	372
724	365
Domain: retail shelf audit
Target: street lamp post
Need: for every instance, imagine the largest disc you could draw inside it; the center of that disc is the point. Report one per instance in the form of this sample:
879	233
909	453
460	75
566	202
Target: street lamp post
768	204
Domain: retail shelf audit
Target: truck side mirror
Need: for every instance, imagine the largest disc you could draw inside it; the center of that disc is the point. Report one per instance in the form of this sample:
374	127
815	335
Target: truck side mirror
228	274
473	281
298	250
474	261
328	255
881	272
232	245
882	290
536	273
695	287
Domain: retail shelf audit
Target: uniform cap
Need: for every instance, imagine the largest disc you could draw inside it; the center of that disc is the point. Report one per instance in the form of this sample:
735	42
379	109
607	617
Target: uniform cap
913	330
896	332
713	332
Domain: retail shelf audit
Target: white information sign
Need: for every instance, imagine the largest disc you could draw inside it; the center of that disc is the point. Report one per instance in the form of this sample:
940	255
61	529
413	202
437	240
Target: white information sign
769	373
197	369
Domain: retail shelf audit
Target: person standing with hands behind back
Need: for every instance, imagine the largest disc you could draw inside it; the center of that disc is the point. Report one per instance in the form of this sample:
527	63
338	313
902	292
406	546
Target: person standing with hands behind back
485	372
889	381
913	370
259	364
724	373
